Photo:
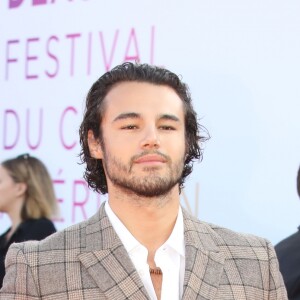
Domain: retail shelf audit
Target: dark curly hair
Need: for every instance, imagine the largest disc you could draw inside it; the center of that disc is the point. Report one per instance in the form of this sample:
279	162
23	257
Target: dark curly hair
94	173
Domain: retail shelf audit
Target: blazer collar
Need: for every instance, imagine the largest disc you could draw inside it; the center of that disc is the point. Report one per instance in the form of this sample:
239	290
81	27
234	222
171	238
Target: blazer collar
204	262
108	263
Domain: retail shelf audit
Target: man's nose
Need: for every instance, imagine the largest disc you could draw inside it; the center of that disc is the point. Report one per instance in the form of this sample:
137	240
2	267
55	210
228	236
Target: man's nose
150	139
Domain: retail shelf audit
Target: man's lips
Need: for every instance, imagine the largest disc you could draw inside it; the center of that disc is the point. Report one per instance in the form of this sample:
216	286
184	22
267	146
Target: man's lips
151	158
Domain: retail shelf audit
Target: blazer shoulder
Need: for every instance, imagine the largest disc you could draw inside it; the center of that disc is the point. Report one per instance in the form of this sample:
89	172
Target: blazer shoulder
233	238
224	236
251	257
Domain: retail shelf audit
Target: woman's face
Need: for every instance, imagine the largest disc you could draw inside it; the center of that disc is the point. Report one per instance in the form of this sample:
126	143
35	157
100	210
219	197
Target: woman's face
9	191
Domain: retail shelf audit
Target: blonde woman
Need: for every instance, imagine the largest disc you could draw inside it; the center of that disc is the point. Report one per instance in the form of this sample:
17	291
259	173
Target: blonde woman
28	198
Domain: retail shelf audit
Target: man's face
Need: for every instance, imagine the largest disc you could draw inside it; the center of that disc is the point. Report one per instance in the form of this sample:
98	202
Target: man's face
143	138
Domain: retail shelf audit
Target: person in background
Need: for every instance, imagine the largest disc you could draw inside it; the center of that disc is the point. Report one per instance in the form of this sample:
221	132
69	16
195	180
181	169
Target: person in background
27	197
288	253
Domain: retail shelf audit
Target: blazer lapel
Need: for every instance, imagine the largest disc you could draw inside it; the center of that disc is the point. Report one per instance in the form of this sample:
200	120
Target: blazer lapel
203	264
108	263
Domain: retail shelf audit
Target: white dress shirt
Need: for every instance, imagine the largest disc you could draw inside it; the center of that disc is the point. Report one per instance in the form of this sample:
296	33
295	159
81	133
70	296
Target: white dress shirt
170	257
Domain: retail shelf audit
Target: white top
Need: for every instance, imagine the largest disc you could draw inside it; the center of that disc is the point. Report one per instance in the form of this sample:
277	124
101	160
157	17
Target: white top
170	257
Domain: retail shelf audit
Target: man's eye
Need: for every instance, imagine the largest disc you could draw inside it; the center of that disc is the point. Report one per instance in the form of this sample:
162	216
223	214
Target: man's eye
166	127
130	127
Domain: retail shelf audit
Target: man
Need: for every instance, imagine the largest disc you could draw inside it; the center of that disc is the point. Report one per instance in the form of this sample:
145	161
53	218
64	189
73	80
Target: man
139	138
288	252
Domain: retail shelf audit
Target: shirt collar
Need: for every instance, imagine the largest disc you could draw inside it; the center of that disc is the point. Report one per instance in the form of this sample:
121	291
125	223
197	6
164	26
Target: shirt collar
128	240
175	240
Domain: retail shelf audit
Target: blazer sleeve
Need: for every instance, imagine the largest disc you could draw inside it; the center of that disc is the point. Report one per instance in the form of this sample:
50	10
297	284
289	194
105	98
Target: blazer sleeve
276	284
18	281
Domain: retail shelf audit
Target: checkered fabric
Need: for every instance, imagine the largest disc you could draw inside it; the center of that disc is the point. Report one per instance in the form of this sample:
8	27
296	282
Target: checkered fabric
87	261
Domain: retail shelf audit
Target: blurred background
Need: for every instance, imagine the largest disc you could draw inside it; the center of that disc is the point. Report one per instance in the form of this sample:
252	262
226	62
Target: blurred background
241	60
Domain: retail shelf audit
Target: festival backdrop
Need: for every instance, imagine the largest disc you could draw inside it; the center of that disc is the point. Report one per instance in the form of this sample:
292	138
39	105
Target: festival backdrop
241	60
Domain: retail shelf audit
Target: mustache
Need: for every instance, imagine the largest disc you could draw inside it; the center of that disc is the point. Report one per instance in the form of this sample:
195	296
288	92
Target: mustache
149	152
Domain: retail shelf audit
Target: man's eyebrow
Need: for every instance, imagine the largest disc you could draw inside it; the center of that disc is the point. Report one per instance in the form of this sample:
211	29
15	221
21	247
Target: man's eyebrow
133	115
169	117
129	115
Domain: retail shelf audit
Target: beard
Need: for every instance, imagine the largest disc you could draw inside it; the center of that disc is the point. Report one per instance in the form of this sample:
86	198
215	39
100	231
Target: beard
149	185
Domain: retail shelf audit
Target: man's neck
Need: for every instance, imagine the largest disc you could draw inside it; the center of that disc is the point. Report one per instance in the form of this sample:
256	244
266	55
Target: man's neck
150	220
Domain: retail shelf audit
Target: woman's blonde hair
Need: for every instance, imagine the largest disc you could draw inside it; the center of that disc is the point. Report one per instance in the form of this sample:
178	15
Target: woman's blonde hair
40	200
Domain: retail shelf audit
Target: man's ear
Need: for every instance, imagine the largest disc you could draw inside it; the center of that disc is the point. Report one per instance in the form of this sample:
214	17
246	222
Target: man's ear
94	146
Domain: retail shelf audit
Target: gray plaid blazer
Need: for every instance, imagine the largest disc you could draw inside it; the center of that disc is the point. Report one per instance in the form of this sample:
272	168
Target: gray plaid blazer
87	261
